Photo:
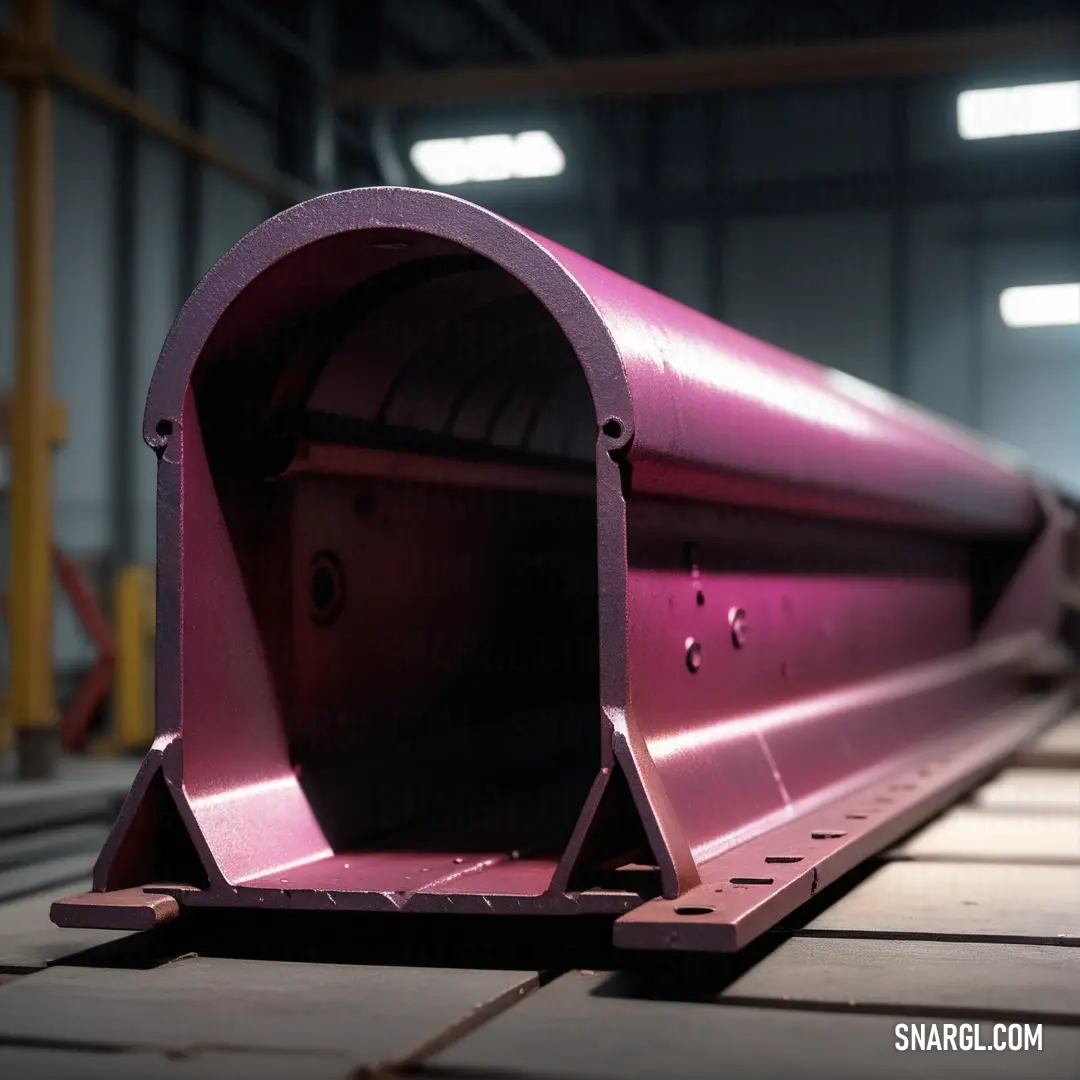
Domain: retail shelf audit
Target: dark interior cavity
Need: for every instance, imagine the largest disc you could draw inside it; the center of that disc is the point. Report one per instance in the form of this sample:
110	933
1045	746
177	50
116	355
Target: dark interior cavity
407	475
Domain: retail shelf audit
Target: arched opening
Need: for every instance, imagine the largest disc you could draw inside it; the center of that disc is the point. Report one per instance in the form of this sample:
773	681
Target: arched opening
402	444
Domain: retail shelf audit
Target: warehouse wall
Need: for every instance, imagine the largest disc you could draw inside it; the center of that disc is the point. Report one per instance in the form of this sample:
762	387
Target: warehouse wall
228	209
84	262
817	278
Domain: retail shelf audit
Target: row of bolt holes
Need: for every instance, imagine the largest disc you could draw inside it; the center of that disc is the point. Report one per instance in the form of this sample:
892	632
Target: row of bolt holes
736	625
824	834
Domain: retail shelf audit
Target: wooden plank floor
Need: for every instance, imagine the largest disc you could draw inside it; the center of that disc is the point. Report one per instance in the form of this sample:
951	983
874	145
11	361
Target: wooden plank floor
973	920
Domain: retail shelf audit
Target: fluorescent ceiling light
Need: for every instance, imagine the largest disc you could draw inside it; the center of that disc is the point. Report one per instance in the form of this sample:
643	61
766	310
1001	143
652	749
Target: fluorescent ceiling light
445	162
1018	110
1041	305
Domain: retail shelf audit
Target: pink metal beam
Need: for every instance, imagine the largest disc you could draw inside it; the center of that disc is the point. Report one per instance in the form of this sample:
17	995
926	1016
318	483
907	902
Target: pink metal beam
490	581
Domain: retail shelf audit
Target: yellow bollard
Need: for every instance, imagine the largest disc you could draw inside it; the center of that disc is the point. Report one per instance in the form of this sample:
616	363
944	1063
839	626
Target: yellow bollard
133	688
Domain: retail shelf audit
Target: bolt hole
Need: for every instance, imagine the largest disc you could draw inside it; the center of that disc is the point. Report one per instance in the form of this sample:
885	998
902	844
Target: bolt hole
855	817
751	880
783	858
693	656
827	834
613	427
164	428
737	624
322	588
700	599
694	910
326	588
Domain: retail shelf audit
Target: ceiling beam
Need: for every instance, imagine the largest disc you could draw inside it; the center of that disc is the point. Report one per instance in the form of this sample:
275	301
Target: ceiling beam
20	59
516	31
656	24
704	70
247	17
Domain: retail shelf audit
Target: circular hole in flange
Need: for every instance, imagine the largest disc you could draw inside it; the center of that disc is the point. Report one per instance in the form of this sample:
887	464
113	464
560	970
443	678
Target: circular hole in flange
326	588
322	588
693	656
692	910
164	428
856	817
613	427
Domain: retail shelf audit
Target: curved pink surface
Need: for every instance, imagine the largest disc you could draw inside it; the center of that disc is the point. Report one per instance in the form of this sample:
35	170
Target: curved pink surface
701	401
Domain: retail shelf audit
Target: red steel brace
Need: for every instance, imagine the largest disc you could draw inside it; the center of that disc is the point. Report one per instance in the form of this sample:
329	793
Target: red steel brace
95	685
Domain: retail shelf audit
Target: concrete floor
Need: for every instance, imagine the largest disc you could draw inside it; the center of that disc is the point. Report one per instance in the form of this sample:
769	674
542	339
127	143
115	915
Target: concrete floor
975	920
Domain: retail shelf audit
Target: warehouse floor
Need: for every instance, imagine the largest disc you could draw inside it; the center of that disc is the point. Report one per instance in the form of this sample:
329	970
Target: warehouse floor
974	919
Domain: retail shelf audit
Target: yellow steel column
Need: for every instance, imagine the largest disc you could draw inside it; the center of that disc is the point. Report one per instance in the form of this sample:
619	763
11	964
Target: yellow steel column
33	710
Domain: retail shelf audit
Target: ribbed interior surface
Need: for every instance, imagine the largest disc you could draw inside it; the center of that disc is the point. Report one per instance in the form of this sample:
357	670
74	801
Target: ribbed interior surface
459	353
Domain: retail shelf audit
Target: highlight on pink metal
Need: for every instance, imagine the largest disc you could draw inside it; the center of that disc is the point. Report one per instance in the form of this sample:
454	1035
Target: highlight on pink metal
490	581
